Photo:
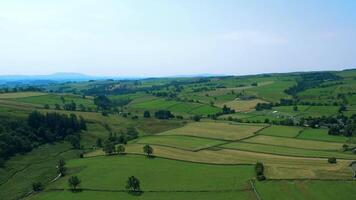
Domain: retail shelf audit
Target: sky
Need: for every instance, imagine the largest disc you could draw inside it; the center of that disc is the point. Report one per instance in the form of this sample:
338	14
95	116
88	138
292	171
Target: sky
176	37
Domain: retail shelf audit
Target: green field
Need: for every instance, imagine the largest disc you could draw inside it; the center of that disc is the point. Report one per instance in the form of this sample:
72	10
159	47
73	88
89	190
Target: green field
282	131
160	175
300	190
322	135
52	99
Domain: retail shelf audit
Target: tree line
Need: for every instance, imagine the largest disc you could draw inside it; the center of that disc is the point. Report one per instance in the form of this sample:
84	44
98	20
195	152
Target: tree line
21	136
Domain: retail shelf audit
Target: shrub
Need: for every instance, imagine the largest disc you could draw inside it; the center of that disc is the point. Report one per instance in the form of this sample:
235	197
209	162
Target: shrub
332	160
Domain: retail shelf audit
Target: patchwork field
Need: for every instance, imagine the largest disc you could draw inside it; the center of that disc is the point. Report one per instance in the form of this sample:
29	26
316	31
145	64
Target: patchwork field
243	105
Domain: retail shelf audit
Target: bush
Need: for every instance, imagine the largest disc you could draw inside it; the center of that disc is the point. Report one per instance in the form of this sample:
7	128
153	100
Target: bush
37	186
261	177
332	160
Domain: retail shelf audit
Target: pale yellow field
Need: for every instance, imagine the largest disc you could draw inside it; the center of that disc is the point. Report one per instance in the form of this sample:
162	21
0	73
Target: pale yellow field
295	143
216	130
243	105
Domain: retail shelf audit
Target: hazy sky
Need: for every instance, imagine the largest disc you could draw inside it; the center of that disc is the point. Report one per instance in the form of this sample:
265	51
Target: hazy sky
164	37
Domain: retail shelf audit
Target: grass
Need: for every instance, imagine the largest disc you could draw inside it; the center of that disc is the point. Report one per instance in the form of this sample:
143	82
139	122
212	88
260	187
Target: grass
183	142
52	99
279	150
175	106
15	95
38	165
94	195
277	166
300	190
272	92
282	131
215	130
154	174
294	143
322	135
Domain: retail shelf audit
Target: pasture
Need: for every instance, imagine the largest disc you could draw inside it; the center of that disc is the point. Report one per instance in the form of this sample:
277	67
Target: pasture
157	175
321	134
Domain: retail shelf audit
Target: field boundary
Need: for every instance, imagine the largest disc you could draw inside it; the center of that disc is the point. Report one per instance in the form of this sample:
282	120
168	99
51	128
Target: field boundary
175	159
252	183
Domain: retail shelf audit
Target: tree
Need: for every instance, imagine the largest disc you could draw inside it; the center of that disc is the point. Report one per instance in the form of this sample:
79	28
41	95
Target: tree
148	150
163	114
57	106
37	186
196	118
332	160
74	182
120	149
74	141
46	106
99	142
259	169
109	147
61	169
133	184
146	114
102	102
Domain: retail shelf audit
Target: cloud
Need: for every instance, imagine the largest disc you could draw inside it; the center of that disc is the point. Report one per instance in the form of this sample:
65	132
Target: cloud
255	37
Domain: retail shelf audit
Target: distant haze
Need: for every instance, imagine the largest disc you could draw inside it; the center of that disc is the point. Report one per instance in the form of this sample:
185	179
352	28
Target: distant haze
142	38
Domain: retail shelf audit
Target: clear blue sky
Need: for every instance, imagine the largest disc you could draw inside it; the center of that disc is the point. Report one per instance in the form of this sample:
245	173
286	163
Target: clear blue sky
164	37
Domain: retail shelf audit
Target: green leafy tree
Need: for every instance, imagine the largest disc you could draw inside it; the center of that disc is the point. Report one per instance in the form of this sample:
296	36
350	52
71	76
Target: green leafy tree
133	184
148	150
37	186
74	182
109	147
61	168
146	114
120	149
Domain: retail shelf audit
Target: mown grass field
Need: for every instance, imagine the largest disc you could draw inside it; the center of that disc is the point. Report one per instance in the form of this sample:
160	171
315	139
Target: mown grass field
160	175
183	142
281	150
243	105
217	130
294	143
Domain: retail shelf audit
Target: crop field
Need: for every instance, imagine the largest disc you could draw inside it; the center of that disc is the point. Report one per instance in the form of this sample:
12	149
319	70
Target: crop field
183	142
156	175
216	130
282	131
